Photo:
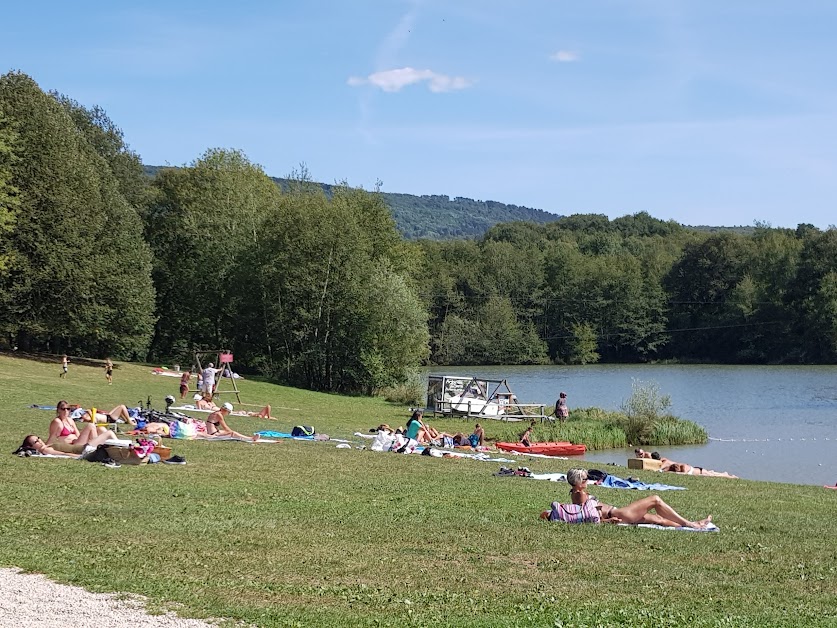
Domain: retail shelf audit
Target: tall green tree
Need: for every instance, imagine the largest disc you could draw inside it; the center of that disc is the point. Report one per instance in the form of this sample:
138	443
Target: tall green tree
707	321
201	224
79	273
813	296
108	141
336	284
9	194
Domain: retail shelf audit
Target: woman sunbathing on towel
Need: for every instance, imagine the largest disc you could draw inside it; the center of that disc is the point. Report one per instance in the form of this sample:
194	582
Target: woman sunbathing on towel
118	415
687	469
264	413
64	431
216	424
203	401
635	512
33	444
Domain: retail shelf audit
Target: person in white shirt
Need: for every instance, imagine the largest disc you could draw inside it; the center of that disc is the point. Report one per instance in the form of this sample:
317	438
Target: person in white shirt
208	383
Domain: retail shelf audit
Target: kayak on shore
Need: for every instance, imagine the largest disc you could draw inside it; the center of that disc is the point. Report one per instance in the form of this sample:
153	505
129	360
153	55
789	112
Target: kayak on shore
556	448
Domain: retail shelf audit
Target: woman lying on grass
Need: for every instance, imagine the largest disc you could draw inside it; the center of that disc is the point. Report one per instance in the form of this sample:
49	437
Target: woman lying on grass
63	430
33	445
592	511
681	467
118	415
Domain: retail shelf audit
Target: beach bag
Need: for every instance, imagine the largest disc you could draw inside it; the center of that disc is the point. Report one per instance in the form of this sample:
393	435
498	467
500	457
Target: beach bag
573	513
100	454
180	429
594	475
302	430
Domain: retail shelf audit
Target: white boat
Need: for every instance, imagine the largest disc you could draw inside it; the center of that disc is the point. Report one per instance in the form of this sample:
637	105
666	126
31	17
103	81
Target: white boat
471	396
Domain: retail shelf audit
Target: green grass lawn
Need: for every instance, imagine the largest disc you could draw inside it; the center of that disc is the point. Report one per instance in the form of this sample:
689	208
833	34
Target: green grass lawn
303	533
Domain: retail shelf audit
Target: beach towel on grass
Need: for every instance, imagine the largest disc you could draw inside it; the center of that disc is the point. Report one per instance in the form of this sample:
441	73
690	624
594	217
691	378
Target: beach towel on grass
243	440
611	481
190	408
273	434
710	528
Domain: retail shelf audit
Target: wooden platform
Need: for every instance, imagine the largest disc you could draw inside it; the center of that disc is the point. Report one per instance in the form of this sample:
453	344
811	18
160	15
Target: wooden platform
646	464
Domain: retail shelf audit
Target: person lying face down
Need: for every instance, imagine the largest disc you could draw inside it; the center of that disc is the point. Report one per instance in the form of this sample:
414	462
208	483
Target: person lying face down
634	513
687	469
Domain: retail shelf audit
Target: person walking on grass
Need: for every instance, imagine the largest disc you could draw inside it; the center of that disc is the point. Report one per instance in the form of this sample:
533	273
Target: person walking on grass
184	383
109	371
65	366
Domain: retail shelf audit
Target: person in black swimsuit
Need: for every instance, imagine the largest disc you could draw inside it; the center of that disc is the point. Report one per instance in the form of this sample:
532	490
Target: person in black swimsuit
216	424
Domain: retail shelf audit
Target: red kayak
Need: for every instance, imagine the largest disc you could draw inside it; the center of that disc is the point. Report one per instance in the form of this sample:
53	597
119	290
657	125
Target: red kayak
560	448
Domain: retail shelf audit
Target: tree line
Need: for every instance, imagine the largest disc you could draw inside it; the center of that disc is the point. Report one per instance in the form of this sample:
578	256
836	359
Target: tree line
319	289
634	289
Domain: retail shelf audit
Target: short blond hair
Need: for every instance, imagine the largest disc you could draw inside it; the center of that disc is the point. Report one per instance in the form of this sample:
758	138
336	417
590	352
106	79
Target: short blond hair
576	476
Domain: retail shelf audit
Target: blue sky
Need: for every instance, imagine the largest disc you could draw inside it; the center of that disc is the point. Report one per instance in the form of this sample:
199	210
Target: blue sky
720	113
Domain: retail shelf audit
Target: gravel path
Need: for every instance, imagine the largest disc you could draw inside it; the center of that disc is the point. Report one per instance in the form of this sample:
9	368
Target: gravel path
33	600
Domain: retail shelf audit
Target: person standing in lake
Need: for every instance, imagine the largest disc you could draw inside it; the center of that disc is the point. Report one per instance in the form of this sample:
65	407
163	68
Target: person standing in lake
561	409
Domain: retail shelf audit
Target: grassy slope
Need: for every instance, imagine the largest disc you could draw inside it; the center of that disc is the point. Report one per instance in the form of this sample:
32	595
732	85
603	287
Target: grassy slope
304	532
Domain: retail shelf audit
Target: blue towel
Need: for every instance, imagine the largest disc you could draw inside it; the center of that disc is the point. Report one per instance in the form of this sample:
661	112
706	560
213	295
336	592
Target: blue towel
611	481
272	434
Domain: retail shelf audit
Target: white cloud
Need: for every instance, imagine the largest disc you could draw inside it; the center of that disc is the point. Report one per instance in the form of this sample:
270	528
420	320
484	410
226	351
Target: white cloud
565	56
397	79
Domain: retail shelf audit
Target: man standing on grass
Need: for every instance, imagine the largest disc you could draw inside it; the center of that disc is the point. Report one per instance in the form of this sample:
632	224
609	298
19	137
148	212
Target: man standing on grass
208	374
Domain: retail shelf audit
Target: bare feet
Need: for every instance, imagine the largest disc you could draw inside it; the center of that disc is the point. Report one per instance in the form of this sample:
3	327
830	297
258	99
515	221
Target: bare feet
703	523
256	437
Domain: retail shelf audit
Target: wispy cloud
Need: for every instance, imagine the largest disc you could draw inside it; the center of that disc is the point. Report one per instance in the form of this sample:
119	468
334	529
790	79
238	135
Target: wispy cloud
399	78
565	56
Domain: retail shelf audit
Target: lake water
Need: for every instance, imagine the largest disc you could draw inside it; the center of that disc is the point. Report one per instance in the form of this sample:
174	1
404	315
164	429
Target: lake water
773	423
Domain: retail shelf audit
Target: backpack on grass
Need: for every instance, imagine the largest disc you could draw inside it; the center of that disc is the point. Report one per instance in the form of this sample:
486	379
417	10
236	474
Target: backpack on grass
302	430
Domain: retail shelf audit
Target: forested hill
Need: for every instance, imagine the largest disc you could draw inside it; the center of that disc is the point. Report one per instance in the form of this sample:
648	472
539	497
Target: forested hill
439	217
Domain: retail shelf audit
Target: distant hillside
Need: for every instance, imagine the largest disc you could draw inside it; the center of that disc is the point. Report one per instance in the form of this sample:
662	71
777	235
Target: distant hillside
440	217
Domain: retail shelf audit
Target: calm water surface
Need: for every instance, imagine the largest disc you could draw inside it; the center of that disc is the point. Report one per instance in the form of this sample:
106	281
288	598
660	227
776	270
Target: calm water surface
774	423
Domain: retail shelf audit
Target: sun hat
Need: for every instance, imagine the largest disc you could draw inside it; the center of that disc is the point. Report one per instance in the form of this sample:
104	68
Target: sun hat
227	406
197	396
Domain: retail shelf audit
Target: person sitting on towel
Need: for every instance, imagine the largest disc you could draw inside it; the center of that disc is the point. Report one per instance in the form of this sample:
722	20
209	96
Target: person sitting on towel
634	513
216	424
63	430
